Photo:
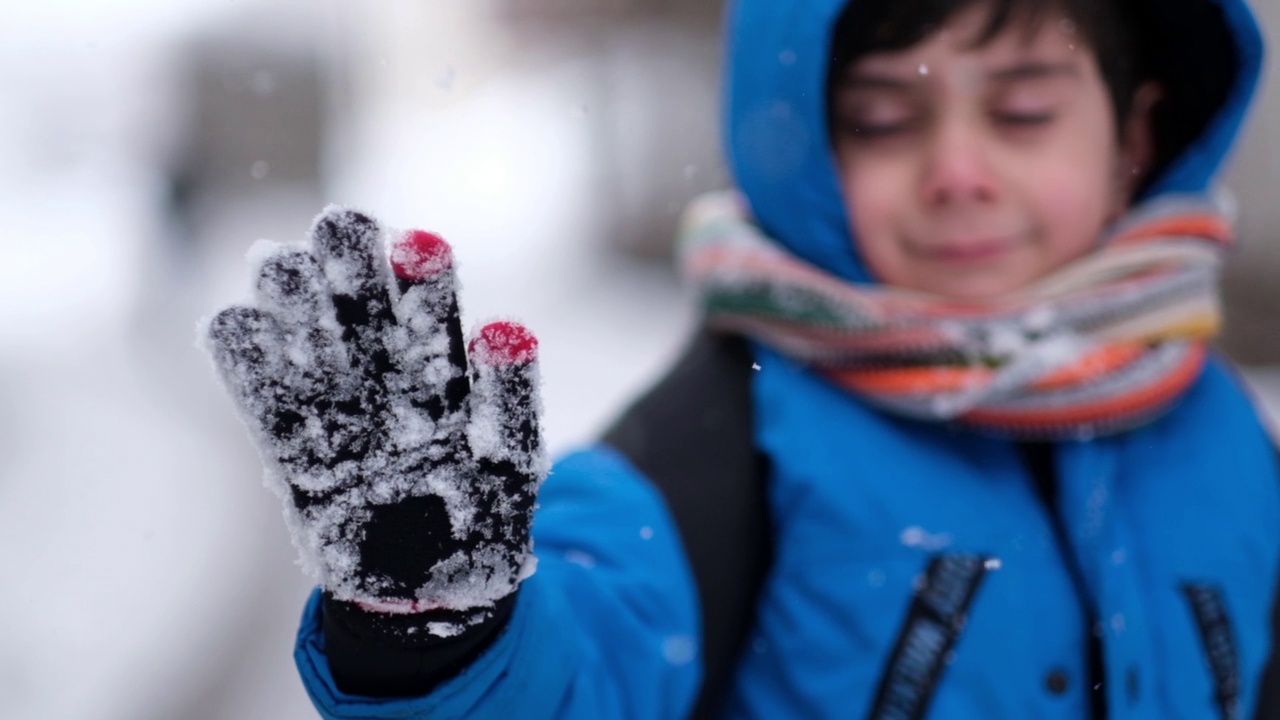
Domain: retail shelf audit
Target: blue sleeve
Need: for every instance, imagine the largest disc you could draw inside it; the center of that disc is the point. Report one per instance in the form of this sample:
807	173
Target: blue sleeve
606	628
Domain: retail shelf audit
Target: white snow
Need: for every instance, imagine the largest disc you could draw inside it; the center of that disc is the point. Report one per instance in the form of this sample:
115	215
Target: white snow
580	558
917	537
679	649
147	573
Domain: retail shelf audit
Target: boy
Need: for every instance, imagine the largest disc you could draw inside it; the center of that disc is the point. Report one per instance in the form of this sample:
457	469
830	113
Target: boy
972	461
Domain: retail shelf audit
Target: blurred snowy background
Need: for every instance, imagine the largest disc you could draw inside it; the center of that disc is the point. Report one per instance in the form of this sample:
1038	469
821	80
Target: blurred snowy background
145	145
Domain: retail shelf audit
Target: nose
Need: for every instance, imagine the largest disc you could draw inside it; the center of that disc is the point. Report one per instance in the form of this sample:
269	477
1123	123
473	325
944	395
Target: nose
958	167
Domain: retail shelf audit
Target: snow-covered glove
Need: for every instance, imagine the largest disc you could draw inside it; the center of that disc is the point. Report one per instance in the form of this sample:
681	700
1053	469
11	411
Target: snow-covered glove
409	477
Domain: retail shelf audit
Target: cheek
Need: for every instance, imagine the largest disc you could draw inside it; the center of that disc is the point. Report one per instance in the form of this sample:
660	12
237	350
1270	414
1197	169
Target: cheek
1074	202
1083	195
874	197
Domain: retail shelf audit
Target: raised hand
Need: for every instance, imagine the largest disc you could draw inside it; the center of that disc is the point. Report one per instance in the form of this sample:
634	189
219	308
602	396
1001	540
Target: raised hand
409	476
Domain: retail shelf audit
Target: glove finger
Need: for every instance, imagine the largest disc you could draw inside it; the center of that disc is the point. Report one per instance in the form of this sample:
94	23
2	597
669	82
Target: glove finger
434	360
292	288
348	245
291	285
504	431
247	347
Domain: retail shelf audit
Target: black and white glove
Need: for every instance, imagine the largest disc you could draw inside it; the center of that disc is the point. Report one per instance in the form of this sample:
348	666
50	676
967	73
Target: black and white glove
409	463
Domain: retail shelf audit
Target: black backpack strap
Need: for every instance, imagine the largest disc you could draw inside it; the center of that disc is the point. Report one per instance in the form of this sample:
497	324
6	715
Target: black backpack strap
693	435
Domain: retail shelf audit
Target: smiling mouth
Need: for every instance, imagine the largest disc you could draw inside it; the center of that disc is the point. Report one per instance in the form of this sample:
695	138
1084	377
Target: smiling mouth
966	252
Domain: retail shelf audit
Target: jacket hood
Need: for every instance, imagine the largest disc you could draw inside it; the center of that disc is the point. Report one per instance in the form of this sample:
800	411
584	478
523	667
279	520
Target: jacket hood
775	120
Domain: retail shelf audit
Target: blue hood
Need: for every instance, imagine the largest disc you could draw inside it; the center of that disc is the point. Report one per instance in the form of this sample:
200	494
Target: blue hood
776	132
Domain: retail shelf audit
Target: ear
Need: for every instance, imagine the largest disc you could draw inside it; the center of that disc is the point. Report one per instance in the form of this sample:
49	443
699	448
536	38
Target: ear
1137	141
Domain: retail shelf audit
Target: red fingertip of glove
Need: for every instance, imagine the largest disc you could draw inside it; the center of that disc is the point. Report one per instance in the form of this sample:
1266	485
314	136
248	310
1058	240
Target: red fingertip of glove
421	255
505	343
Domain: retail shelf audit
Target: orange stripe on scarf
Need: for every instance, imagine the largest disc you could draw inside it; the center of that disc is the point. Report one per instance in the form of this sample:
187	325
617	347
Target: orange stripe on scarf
930	380
1117	408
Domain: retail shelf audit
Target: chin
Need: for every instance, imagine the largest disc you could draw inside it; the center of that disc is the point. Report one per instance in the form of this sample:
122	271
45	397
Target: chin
969	289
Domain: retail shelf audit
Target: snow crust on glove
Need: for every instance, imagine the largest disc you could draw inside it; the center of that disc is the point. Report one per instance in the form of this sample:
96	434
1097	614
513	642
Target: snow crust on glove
409	474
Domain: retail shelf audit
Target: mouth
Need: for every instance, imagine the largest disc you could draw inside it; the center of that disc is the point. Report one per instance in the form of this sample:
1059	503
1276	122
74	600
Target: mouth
965	251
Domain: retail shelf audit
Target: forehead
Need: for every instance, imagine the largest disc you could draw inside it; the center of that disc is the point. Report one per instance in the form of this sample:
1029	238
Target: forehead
1047	36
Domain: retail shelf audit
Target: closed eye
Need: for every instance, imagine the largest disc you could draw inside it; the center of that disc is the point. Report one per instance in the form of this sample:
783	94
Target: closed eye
871	131
1025	119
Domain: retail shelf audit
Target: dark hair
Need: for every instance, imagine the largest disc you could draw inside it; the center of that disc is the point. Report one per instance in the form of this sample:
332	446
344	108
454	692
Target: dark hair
1134	41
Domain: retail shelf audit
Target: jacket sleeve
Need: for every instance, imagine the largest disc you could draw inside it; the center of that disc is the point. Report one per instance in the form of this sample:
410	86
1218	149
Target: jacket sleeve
608	626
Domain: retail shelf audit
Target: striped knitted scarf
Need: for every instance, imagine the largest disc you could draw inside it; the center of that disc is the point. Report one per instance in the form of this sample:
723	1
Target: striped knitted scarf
1102	345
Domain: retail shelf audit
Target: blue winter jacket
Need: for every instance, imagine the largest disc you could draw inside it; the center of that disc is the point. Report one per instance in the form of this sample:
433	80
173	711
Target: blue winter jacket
915	571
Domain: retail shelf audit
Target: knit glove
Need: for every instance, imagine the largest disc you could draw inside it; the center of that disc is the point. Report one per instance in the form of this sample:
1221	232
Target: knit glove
408	463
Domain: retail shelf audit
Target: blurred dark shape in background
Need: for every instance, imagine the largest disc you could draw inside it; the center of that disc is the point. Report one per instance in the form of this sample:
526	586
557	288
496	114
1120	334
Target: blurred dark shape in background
254	119
657	97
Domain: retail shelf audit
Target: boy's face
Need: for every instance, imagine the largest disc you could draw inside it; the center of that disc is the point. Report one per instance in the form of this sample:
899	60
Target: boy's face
970	172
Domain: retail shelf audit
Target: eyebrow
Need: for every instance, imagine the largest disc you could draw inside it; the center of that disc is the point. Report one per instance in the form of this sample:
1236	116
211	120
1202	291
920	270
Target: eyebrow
855	80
